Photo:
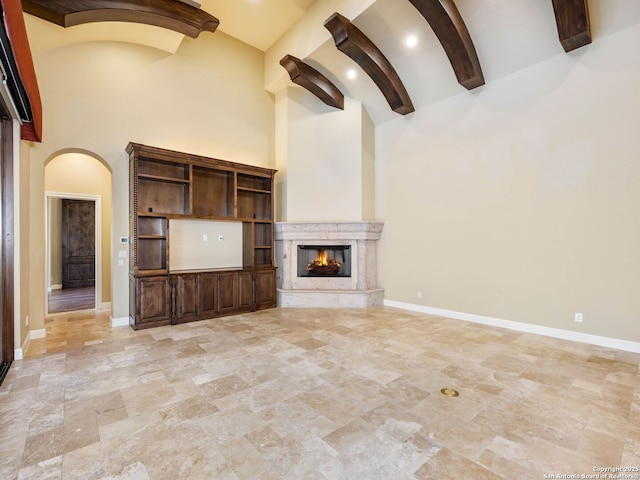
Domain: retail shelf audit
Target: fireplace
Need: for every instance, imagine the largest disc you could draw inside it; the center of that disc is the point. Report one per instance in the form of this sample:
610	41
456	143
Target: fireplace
325	265
324	261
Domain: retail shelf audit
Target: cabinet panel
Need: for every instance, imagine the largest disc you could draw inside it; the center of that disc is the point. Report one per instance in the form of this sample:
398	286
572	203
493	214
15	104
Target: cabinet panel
208	295
152	302
265	288
245	291
228	292
186	298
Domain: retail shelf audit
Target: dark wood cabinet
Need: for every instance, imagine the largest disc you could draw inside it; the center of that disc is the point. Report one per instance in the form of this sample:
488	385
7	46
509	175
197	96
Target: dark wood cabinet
166	185
185	298
265	289
150	302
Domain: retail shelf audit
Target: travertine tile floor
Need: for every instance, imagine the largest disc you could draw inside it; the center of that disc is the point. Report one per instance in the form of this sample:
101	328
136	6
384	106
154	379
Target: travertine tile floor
315	394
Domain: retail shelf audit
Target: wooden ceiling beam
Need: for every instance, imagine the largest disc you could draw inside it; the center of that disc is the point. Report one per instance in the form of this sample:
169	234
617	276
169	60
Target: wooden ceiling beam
447	23
176	16
572	19
308	77
356	45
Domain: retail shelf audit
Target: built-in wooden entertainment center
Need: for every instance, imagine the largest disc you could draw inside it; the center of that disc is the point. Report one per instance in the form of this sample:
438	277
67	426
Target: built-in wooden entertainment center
167	186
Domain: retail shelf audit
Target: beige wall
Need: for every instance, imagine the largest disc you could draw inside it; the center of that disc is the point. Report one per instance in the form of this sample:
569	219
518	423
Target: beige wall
98	96
328	159
55	240
521	201
79	174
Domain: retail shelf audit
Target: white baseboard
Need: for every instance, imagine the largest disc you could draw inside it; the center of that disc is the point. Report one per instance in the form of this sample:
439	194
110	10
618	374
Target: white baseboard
18	353
522	327
120	322
39	333
55	287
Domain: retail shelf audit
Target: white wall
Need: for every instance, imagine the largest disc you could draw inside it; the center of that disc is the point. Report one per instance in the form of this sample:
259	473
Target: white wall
520	201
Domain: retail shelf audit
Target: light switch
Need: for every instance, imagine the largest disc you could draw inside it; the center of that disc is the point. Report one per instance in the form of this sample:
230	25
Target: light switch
120	262
205	237
122	254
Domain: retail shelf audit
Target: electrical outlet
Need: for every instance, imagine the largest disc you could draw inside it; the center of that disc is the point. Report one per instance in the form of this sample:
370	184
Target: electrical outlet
26	321
419	294
578	317
205	237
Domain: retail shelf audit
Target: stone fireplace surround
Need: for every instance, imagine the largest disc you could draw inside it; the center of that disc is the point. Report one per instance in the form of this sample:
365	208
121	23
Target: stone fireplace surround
358	291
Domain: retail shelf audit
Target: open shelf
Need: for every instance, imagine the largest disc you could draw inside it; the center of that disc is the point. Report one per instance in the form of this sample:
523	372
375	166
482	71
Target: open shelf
212	192
152	254
253	182
254	205
162	197
160	169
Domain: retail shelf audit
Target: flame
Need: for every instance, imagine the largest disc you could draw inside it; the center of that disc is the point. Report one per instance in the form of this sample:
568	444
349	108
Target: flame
322	259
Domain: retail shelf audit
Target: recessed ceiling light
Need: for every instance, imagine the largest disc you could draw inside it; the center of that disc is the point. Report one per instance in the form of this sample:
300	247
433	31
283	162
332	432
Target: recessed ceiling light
352	74
411	41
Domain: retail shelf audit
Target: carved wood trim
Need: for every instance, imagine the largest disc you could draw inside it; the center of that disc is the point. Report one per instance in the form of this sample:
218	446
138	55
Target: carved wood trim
308	77
447	23
572	19
177	16
352	42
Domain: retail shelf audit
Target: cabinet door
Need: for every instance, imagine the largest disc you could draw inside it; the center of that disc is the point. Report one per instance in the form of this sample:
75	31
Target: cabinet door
245	291
265	288
186	298
152	301
228	292
208	295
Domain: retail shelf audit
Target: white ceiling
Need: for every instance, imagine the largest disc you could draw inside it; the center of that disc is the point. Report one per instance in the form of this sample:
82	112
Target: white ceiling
256	22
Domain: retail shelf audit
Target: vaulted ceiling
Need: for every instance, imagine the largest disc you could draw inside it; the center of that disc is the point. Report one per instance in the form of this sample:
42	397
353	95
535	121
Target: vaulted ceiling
460	44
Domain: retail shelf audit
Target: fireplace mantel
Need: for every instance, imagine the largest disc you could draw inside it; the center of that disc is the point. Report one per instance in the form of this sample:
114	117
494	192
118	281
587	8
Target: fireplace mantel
360	290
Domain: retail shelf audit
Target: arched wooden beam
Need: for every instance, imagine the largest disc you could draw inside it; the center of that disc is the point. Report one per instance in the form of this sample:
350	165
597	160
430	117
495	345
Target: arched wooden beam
308	77
446	22
572	19
170	14
355	44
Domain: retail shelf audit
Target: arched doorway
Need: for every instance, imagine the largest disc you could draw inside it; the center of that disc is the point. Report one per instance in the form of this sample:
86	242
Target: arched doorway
77	182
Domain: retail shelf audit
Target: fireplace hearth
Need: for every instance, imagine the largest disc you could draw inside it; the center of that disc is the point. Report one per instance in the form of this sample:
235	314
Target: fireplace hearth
328	264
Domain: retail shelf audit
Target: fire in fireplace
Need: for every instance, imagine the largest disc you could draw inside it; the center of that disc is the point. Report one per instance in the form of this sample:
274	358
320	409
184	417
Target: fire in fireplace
324	260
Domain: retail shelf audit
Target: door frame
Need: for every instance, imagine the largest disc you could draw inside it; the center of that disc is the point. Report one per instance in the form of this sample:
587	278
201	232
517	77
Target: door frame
48	195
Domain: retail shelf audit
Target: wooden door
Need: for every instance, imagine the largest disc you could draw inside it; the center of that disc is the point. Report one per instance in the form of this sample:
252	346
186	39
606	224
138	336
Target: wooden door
78	243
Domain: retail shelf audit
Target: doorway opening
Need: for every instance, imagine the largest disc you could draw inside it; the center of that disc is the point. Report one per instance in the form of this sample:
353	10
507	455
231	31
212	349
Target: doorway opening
78	202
